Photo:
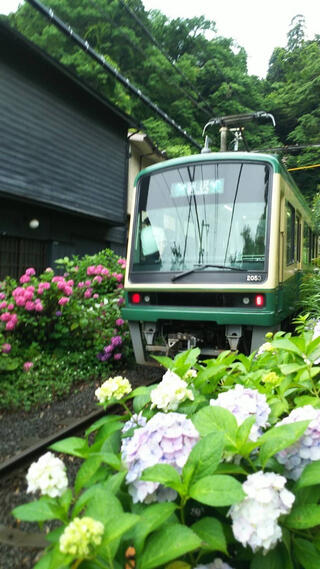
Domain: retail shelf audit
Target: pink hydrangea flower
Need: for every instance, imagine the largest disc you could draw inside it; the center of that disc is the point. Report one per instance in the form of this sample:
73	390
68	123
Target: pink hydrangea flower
120	300
2	296
38	306
11	324
20	300
95	295
87	283
30	272
68	290
91	270
98	279
105	272
28	294
24	279
119	322
5	317
81	284
88	293
29	305
3	305
27	366
6	348
117	356
63	300
10	306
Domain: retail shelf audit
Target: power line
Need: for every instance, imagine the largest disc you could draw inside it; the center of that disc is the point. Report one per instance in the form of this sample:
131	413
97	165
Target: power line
303	167
85	46
167	56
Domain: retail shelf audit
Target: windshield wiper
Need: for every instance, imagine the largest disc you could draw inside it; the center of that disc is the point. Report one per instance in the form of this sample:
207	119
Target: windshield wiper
201	267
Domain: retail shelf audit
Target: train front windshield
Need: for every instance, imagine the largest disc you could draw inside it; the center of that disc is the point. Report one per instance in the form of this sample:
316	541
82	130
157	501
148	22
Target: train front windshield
212	214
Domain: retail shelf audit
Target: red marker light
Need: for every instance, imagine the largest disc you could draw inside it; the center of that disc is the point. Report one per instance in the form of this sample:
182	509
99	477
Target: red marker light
136	298
259	300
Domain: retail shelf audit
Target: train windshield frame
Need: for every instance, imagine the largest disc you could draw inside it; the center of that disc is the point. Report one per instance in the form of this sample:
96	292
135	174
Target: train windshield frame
202	217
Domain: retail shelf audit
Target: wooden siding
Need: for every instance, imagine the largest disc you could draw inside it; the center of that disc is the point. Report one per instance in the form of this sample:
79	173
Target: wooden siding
60	146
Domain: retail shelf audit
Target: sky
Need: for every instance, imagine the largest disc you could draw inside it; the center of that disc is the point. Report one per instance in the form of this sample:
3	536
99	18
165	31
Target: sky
256	26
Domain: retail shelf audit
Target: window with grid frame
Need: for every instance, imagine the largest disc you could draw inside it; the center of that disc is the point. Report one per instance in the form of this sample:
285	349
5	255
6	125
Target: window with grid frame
17	254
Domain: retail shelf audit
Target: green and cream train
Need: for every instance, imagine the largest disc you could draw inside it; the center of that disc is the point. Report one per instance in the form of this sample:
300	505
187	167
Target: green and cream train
217	245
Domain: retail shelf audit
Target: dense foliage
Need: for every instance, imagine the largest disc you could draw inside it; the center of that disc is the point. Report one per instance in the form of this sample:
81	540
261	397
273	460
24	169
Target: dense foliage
192	73
217	469
60	329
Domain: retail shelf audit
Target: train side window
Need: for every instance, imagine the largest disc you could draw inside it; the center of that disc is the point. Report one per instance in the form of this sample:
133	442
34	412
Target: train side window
290	227
306	251
298	238
314	246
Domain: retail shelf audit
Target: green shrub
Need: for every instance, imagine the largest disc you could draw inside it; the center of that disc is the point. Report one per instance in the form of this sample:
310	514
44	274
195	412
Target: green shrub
46	317
218	468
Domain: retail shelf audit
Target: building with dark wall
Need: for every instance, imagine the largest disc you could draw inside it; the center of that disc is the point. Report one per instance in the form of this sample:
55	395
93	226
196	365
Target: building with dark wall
63	162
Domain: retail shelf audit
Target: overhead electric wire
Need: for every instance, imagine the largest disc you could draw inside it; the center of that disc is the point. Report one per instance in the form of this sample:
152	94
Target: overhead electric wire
100	59
166	55
140	50
303	167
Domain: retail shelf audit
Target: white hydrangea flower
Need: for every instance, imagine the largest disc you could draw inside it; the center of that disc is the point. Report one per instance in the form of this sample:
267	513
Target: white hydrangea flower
266	347
254	520
307	448
170	392
243	403
165	439
190	374
216	564
81	536
48	475
114	387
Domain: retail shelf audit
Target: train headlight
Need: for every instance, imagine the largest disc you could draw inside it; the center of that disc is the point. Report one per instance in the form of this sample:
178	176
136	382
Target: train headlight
146	298
246	300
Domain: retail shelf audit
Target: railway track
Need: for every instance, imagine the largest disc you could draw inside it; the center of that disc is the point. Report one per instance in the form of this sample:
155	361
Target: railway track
25	456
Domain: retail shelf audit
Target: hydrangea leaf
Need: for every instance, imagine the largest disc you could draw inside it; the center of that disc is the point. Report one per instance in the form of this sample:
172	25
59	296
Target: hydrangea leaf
142	399
212	418
306	553
72	445
303	517
151	518
211	532
99	504
310	475
120	524
103	421
167	544
279	438
217	490
165	474
275	559
204	458
38	511
86	471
